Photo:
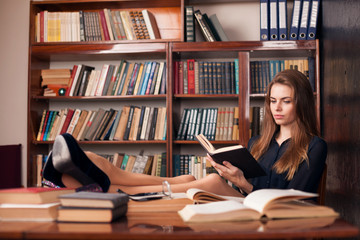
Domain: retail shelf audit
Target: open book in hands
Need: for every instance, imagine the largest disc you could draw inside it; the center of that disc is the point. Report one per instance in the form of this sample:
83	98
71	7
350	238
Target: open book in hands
264	203
237	155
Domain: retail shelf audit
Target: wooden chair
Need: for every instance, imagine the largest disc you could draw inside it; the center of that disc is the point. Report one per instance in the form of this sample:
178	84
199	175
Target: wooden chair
322	187
10	162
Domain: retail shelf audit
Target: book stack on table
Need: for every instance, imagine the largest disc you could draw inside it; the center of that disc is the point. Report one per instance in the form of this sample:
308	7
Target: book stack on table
92	207
30	204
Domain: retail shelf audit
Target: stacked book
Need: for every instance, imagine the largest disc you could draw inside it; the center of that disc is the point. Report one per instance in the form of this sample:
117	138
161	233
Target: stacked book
55	81
30	204
100	25
92	207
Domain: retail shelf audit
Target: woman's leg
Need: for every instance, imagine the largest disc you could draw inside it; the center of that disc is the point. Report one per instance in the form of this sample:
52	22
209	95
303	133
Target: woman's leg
118	176
121	177
211	183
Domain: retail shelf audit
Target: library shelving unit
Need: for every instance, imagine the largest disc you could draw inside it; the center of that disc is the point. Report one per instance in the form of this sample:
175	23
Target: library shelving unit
171	47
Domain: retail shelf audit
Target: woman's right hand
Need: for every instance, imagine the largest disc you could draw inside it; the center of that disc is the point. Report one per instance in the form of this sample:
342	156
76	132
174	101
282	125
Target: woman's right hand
231	173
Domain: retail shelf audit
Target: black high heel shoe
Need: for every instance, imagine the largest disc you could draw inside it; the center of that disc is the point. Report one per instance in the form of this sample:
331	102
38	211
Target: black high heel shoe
50	173
69	158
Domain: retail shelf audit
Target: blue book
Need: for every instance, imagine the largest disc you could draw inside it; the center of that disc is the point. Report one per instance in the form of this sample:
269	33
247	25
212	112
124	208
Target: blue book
176	165
141	79
295	20
264	20
236	66
48	123
146	78
283	29
133	78
304	20
312	72
274	21
314	12
163	81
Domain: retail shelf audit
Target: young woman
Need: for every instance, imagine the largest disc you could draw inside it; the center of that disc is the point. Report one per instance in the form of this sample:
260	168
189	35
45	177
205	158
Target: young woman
289	150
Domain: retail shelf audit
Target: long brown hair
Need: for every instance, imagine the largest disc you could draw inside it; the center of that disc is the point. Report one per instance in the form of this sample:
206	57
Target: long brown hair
305	127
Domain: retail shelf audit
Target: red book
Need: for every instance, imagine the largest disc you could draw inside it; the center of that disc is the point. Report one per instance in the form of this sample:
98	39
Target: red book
104	25
68	118
32	195
73	73
42	26
191	76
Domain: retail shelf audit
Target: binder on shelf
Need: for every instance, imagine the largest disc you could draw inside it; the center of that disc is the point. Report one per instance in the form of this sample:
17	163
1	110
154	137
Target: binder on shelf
314	12
295	20
264	20
274	25
304	21
283	30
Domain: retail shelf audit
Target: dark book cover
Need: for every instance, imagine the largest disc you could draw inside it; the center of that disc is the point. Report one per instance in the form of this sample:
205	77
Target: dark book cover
237	155
108	200
128	124
189	24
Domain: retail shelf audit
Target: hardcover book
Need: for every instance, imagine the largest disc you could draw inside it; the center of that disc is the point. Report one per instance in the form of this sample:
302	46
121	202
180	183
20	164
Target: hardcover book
28	212
264	203
32	195
237	155
93	199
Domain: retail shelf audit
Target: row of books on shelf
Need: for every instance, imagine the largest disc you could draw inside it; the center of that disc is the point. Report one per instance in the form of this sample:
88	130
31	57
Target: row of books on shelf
274	22
204	77
150	164
186	164
129	123
100	25
262	72
215	123
209	26
126	78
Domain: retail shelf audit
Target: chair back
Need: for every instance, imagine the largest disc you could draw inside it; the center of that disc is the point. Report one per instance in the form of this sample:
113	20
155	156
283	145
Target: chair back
322	187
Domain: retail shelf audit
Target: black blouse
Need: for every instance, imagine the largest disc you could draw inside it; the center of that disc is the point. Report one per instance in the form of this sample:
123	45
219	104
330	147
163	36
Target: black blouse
307	176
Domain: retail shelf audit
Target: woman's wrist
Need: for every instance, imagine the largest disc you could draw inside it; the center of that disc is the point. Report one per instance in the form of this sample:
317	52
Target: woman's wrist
245	186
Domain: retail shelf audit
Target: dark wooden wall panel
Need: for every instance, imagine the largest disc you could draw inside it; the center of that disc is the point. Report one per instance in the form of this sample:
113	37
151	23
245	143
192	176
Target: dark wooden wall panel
340	71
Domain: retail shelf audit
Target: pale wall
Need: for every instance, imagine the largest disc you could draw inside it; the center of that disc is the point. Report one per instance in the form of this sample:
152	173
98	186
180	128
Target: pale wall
14	29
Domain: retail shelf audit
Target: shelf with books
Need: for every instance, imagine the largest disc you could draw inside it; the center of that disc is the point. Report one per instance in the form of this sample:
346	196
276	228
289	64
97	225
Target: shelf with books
169	49
105	20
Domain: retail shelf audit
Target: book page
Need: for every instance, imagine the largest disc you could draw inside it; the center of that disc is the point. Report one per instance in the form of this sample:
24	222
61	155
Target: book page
205	143
260	199
202	196
217	211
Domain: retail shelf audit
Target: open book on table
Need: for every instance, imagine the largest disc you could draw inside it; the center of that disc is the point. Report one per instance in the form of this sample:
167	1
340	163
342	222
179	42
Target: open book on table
202	196
264	203
177	201
237	155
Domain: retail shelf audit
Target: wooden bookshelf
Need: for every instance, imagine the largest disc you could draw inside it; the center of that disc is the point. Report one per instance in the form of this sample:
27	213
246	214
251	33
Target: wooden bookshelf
168	49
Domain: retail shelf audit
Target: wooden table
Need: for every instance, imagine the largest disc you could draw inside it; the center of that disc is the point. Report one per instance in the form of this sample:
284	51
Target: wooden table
170	226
